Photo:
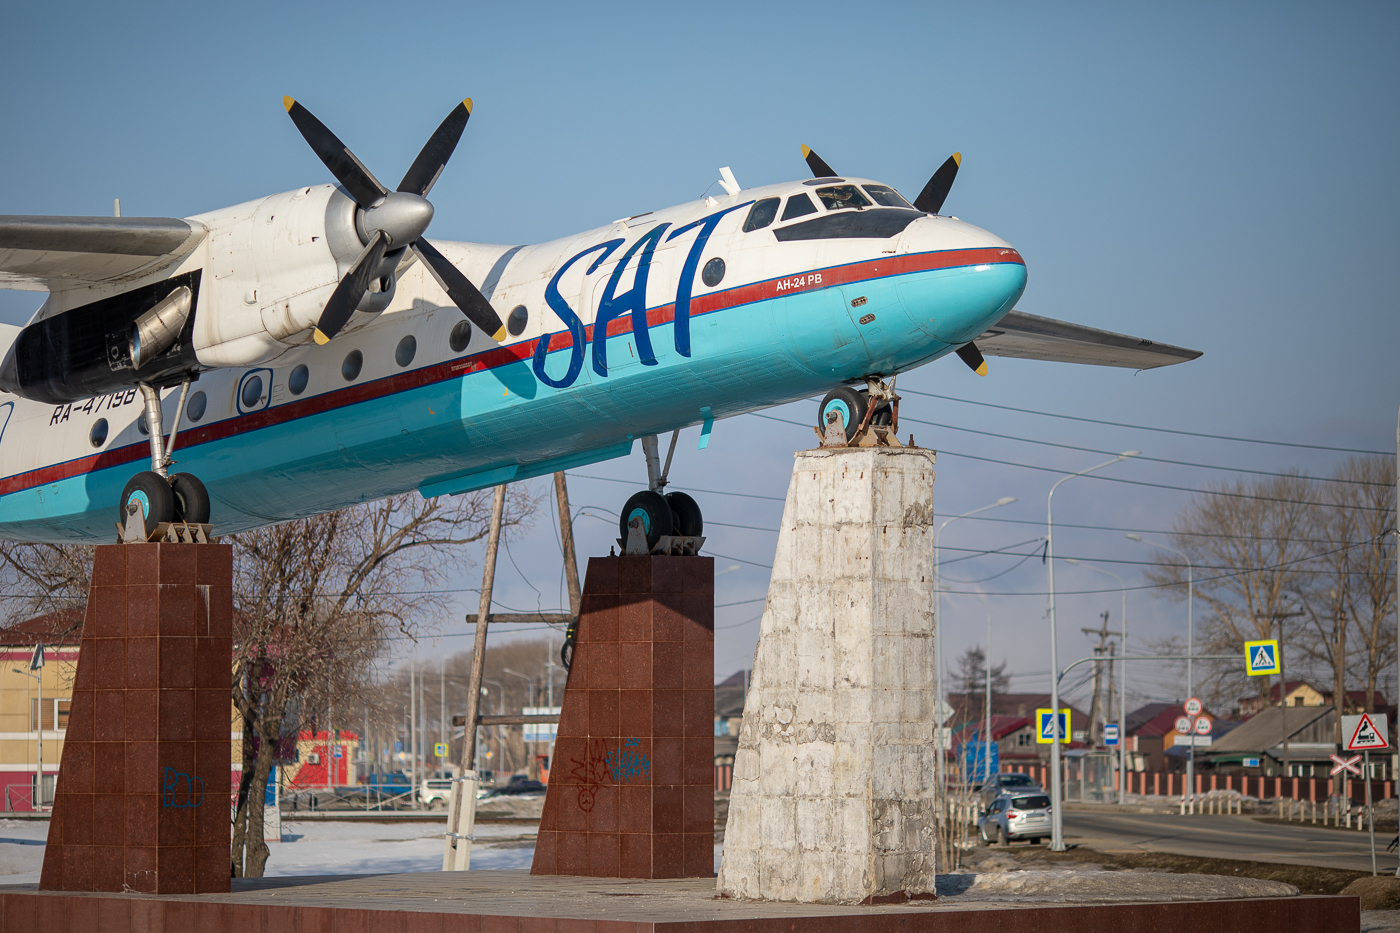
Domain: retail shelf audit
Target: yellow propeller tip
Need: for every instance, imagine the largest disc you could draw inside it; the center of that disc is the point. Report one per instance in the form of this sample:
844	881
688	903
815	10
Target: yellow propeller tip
957	159
320	338
499	335
806	151
981	370
288	103
468	104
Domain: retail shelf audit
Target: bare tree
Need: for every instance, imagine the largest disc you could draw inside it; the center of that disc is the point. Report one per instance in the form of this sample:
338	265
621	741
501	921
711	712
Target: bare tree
40	579
316	601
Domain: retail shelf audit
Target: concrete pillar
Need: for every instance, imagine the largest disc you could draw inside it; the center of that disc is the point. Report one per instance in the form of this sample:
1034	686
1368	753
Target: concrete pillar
834	798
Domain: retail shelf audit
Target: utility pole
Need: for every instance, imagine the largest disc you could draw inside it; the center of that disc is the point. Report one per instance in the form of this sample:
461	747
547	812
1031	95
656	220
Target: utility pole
1095	707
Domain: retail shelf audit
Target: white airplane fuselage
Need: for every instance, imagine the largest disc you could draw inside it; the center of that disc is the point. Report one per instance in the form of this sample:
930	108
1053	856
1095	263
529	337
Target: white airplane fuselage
279	428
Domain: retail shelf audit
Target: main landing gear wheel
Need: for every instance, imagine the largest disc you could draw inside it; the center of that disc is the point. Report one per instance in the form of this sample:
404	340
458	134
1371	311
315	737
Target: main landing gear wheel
191	499
152	494
685	512
655	513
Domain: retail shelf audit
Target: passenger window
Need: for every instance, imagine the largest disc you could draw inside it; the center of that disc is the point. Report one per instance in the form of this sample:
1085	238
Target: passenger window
840	197
886	196
762	214
799	205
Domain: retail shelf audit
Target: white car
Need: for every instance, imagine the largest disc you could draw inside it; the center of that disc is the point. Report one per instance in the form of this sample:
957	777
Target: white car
1016	816
435	792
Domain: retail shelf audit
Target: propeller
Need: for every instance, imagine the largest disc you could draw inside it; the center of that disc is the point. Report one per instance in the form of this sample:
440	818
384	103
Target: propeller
391	221
930	201
972	356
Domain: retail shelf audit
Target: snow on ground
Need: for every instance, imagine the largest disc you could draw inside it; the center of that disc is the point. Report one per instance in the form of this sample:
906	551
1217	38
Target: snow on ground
320	848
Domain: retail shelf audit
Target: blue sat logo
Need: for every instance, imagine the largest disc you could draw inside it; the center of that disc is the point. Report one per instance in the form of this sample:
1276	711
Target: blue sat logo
181	791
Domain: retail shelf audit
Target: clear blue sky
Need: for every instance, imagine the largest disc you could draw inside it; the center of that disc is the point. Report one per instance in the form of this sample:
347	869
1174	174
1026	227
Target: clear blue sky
1221	177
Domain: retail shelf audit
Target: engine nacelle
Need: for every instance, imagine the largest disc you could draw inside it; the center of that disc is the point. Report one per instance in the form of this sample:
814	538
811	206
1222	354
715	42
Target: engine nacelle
271	267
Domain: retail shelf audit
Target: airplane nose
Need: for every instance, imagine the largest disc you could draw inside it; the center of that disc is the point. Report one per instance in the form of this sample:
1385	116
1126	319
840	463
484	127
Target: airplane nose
968	279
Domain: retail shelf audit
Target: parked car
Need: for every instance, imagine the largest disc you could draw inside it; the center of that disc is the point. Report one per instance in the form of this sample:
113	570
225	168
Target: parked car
435	792
1006	782
518	786
1016	816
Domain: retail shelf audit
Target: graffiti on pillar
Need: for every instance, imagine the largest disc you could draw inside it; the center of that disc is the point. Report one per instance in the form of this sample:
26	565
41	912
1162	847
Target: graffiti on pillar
626	763
600	767
180	791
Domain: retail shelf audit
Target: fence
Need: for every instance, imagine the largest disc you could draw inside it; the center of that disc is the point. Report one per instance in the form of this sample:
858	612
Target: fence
1173	784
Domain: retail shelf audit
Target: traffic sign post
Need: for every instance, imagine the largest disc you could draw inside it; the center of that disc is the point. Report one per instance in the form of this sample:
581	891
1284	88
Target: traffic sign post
1110	734
1183	725
1364	733
1202	726
1194	707
1261	657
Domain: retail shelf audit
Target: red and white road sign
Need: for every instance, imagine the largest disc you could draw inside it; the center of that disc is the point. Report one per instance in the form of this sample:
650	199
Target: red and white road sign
1194	707
1366	732
1202	726
1183	725
1352	764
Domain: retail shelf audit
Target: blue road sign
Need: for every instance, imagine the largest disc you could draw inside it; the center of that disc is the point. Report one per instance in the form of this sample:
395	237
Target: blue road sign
1044	727
1110	733
1261	657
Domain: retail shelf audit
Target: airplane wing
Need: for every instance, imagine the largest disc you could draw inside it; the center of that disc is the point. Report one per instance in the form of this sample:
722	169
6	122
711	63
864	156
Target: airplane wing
1030	337
51	253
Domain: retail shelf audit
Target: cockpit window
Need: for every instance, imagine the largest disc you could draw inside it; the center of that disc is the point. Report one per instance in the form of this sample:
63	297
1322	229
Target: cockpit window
839	197
886	196
797	206
762	214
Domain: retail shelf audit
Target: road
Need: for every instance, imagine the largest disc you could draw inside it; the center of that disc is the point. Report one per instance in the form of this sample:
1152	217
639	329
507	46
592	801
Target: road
1232	837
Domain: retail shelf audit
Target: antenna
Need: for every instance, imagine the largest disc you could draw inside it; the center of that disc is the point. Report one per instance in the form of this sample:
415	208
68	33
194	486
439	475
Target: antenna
727	182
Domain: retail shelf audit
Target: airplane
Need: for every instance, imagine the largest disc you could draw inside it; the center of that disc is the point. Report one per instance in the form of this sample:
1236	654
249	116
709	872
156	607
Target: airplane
312	349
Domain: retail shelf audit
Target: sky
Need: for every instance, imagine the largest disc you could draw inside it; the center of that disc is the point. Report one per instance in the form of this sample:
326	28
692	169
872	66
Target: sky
1220	177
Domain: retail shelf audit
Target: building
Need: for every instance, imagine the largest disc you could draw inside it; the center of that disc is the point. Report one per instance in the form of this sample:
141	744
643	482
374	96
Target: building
21	713
1302	693
1257	746
1013	724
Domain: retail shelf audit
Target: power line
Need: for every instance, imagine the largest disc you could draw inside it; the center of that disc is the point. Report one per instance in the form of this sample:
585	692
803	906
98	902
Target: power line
1143	427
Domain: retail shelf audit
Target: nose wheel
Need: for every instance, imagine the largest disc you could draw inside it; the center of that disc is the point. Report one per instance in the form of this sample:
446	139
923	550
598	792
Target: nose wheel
851	417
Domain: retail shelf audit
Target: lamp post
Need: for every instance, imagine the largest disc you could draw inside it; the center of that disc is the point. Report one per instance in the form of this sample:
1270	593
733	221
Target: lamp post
938	638
1190	645
1123	683
1057	836
38	802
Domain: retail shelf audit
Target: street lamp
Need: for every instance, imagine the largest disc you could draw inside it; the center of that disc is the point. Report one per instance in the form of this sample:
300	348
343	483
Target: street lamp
938	638
1190	645
38	802
1057	836
1123	688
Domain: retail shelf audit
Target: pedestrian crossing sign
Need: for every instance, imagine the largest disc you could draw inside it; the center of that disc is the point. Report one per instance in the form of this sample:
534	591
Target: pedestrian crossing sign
440	750
1261	657
1045	726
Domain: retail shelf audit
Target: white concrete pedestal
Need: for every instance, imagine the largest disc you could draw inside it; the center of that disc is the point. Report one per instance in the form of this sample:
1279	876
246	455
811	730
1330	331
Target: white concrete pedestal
834	798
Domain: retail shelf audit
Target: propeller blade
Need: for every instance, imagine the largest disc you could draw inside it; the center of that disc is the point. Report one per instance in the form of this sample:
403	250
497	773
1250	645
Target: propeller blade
931	199
463	293
347	169
818	166
972	356
424	172
351	289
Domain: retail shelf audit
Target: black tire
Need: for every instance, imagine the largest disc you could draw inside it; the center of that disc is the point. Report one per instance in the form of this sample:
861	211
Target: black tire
688	521
153	493
1002	838
191	499
884	415
849	403
654	511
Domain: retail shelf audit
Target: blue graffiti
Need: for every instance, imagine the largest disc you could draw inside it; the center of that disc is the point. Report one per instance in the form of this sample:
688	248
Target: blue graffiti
181	791
633	302
625	764
612	306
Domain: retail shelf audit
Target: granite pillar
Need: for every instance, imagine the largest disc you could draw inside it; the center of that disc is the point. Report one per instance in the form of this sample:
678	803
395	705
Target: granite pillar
141	802
631	786
834	799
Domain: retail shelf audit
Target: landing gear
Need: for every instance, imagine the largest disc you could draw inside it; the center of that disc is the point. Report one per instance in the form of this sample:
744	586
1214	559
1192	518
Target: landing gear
153	497
851	417
653	522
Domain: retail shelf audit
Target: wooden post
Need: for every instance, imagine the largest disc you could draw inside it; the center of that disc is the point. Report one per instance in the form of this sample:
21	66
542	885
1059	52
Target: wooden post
457	849
566	537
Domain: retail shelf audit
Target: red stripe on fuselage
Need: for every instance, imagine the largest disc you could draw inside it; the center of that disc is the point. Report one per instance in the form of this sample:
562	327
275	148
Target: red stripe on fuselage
517	352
